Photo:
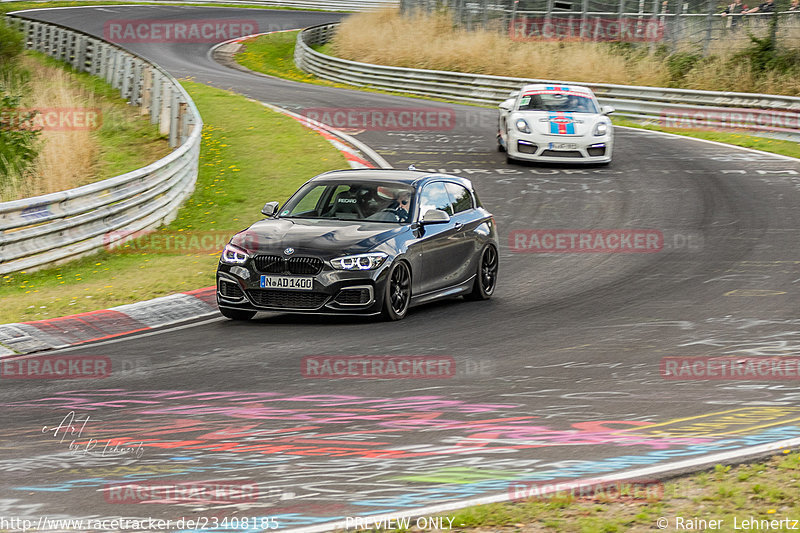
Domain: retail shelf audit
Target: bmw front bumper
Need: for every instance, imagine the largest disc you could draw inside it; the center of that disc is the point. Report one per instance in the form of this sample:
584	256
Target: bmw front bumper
333	292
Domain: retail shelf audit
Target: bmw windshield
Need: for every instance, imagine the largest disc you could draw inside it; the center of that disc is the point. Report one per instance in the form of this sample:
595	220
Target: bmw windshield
389	202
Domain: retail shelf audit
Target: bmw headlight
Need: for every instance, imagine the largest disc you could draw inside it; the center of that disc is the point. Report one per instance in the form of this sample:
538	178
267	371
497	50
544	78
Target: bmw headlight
369	261
233	255
601	129
522	125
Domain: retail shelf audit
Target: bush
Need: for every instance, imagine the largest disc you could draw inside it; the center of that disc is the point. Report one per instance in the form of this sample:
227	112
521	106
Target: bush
17	137
11	45
765	55
18	146
680	64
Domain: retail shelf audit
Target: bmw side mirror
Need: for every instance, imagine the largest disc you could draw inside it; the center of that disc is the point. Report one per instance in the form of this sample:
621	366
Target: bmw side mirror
270	208
435	216
508	105
607	109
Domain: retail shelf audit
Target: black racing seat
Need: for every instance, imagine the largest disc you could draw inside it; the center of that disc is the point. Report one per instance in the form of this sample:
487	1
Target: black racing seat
345	205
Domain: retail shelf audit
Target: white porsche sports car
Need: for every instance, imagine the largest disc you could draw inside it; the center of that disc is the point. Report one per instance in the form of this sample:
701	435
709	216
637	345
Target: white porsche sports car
555	123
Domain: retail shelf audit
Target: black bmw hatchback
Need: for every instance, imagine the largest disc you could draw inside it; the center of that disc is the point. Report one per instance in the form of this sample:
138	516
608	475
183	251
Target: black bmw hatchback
362	242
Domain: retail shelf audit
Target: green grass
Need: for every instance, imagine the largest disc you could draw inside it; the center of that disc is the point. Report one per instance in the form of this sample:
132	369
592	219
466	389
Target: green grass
765	490
777	146
274	55
249	155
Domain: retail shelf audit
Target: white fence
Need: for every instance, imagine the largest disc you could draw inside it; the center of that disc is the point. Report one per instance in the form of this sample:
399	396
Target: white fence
39	231
688	25
758	114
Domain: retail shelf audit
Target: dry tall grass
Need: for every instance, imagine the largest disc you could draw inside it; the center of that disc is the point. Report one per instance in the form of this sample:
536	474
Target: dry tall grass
432	41
67	158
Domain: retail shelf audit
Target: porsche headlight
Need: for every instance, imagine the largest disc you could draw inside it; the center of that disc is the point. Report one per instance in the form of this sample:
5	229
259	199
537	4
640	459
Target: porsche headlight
522	125
601	129
233	255
369	261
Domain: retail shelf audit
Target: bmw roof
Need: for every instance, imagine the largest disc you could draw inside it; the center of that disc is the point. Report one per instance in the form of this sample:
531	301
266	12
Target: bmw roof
409	177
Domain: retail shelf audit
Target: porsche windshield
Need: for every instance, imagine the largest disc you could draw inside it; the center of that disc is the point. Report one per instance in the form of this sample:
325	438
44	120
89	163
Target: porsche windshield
372	201
557	102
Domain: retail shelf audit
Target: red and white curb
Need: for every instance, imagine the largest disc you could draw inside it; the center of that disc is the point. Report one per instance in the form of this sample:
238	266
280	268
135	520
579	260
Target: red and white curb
54	333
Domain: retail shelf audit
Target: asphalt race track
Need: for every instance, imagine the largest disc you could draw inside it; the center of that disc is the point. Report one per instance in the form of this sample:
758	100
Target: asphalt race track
557	377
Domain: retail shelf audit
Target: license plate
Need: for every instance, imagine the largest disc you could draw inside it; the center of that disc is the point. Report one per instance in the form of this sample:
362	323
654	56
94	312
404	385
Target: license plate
563	146
287	282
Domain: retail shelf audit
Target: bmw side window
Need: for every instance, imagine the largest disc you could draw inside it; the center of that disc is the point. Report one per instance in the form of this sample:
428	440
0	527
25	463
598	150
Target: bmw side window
462	199
434	196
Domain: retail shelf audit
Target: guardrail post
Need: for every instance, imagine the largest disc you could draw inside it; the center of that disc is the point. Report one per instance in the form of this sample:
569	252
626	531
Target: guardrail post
147	90
584	13
63	45
136	83
155	105
41	38
174	118
94	57
164	121
549	16
119	70
127	75
24	28
73	41
80	57
183	122
109	63
51	38
710	5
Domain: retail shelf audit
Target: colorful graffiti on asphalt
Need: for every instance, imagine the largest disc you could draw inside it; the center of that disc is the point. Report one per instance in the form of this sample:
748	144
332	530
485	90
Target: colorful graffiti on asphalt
317	457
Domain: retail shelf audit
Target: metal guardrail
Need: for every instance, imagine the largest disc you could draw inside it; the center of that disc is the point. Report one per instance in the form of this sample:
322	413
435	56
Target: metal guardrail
761	114
331	5
47	229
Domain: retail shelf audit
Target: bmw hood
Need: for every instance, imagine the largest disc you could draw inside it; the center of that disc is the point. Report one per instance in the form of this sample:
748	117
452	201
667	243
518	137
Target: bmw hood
322	238
560	124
